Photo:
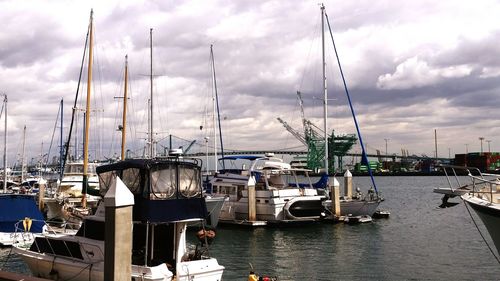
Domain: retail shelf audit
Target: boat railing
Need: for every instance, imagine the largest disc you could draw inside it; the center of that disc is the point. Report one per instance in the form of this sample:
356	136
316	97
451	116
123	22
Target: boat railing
480	183
58	227
21	234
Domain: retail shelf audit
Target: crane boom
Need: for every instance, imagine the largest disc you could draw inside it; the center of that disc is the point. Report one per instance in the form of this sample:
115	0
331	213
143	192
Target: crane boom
296	134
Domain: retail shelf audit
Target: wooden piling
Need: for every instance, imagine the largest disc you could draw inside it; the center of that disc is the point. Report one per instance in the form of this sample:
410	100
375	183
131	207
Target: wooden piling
119	202
347	184
41	194
335	198
252	212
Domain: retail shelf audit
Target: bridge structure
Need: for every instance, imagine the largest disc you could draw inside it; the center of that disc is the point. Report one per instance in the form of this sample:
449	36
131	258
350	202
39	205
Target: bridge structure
394	157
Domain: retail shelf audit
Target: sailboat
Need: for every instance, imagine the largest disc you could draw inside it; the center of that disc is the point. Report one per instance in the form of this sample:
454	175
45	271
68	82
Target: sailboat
214	202
77	193
357	204
16	208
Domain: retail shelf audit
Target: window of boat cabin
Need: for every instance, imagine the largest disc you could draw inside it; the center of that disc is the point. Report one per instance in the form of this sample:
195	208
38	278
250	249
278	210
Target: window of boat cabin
130	177
105	181
74	169
189	181
163	183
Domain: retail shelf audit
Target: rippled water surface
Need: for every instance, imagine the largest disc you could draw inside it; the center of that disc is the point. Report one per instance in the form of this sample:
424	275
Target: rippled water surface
419	241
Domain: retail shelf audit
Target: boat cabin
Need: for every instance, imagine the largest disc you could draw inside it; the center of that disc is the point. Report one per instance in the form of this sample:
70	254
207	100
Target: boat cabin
166	192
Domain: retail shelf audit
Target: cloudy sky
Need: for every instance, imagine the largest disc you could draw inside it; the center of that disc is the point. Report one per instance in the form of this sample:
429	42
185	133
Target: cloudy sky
411	67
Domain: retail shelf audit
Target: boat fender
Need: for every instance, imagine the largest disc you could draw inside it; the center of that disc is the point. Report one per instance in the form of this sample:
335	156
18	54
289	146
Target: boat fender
27	224
205	235
252	276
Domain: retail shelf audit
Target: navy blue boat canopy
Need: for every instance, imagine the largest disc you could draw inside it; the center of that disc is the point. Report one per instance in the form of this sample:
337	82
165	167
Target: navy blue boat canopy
165	190
15	208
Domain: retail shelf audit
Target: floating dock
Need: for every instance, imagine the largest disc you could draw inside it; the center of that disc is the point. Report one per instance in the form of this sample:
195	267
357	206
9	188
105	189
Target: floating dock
10	276
247	223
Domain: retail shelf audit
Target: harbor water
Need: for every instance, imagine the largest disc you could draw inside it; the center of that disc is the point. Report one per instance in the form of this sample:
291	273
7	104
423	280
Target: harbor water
420	241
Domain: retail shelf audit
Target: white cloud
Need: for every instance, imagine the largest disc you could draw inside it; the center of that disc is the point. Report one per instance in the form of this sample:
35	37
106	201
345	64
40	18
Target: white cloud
415	73
489	72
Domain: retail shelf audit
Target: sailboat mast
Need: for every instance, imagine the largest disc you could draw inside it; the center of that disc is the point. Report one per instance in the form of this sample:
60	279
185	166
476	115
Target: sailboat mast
61	151
87	113
214	120
150	131
5	148
217	104
325	99
22	155
124	116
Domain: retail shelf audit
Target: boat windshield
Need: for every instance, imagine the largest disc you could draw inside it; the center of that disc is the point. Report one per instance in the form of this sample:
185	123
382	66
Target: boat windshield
163	184
189	182
77	168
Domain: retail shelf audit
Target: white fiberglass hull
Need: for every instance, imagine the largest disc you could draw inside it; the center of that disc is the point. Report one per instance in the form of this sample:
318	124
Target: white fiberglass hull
214	207
60	268
11	238
489	214
78	258
277	207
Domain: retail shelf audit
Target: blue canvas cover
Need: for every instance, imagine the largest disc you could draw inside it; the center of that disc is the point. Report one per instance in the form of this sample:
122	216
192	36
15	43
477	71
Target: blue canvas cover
16	207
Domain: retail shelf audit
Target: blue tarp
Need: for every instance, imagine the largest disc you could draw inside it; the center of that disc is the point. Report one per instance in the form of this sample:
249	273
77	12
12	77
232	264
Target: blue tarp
16	207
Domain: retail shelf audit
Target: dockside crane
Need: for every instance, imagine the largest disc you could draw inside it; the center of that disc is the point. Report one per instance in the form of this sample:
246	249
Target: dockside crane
313	138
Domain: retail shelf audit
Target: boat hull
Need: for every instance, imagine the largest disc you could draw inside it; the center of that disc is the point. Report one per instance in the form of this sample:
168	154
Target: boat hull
214	207
47	266
490	215
355	207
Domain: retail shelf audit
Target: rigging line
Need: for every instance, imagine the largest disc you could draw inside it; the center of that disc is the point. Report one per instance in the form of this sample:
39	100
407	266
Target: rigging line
363	154
66	145
480	233
1	112
52	139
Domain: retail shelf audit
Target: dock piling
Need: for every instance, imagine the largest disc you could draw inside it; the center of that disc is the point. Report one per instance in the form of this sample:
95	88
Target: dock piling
119	202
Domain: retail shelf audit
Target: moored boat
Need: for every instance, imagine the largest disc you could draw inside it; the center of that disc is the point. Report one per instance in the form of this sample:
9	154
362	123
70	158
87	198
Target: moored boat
19	219
483	196
168	196
277	198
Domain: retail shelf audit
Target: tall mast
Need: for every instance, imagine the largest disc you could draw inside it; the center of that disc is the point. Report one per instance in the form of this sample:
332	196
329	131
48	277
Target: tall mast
124	116
23	164
325	99
87	114
5	147
150	131
61	151
214	102
218	110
